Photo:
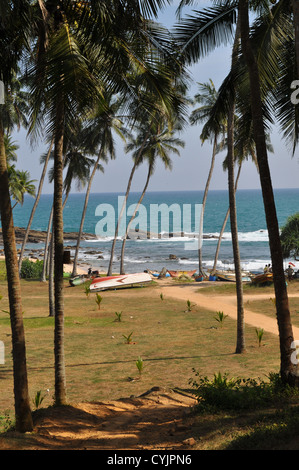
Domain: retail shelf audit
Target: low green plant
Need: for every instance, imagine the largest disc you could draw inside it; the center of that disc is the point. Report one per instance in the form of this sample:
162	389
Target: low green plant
189	306
224	393
140	365
31	269
259	334
118	316
128	338
6	422
99	299
220	317
161	296
87	289
38	399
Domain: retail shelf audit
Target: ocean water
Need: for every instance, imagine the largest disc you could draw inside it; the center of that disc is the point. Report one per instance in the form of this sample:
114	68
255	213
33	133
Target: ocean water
154	253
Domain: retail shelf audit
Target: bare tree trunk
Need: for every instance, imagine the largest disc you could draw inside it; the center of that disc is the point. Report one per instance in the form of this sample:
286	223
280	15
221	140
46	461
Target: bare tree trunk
124	204
240	347
288	370
21	395
204	200
47	249
60	380
74	273
51	278
109	273
40	187
122	270
224	225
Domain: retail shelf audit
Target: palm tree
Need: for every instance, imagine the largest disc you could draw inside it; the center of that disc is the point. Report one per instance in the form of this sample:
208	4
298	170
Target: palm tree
81	49
20	184
220	20
37	199
14	26
206	97
158	144
99	139
288	370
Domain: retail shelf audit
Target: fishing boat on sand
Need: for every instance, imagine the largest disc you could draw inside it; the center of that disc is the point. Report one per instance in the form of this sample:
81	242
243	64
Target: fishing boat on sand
181	273
263	278
230	276
78	280
115	282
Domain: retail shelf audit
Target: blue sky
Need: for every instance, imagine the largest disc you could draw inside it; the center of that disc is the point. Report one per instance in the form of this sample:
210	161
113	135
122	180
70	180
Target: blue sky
190	170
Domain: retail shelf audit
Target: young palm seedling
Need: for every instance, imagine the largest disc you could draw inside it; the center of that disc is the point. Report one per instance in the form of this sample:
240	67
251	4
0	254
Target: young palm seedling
86	290
259	334
140	365
220	318
99	299
128	338
118	316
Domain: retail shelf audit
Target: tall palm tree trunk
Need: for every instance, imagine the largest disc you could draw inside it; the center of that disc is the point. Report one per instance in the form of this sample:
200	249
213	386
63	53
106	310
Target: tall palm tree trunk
240	347
204	200
124	204
224	225
60	382
75	262
21	395
109	273
47	247
50	259
40	187
288	370
122	270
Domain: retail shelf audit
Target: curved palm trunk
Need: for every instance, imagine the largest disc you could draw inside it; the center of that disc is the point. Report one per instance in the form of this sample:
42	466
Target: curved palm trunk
200	270
240	347
224	225
288	370
47	248
109	273
60	382
21	395
74	273
122	270
41	182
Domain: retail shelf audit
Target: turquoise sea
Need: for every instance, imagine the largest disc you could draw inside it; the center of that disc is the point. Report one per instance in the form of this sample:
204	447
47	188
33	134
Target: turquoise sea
154	253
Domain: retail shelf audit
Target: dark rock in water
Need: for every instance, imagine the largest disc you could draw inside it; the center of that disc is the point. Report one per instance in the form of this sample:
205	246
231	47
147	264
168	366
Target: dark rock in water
38	236
172	257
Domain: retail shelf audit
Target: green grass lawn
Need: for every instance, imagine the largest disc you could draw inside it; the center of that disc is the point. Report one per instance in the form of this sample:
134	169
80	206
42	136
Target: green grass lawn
173	343
170	340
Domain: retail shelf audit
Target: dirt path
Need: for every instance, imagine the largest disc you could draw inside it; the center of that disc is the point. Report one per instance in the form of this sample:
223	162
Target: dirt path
225	303
158	419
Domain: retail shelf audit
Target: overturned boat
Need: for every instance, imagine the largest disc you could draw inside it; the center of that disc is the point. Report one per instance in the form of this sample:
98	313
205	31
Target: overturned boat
181	273
116	282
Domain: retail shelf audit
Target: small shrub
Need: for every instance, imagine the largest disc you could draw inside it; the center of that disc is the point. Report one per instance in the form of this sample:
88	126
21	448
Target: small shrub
223	393
31	269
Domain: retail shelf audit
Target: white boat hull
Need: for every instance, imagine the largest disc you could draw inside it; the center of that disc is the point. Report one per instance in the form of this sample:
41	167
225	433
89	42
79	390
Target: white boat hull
115	282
